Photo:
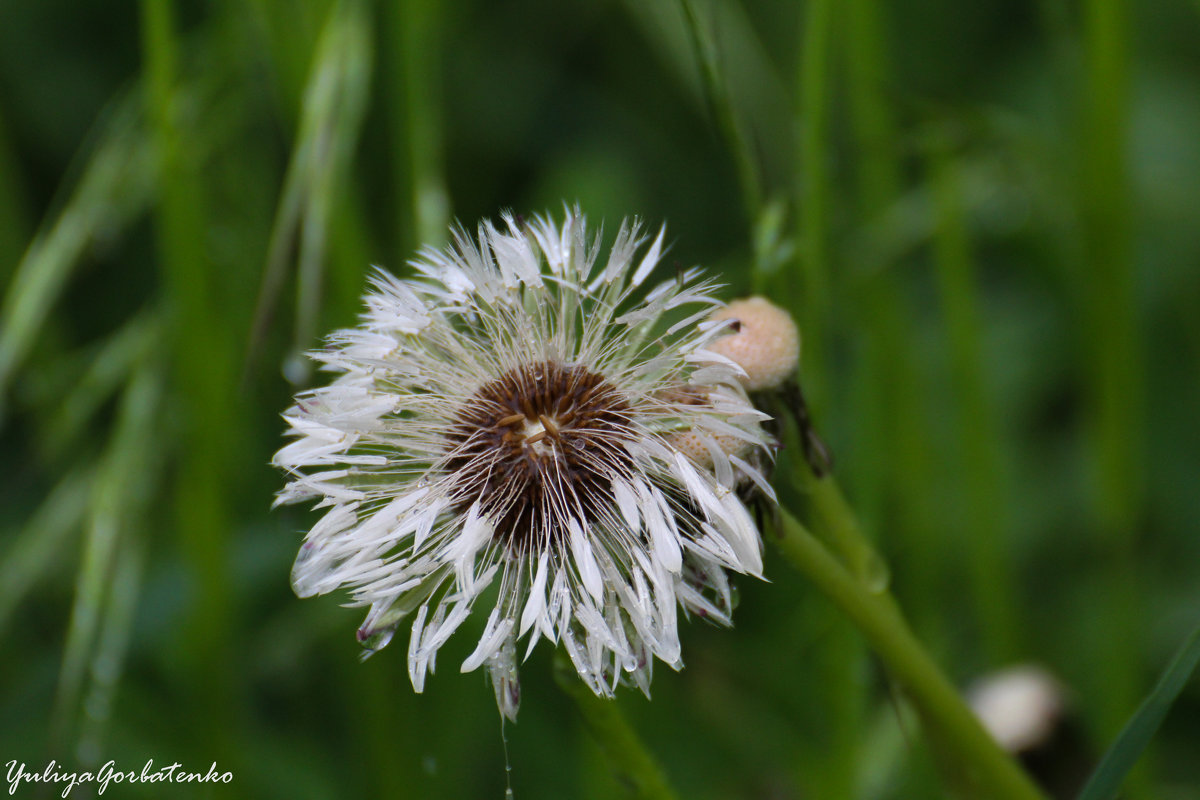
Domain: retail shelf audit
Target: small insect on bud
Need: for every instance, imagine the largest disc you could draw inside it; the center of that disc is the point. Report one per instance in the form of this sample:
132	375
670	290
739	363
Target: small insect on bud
763	341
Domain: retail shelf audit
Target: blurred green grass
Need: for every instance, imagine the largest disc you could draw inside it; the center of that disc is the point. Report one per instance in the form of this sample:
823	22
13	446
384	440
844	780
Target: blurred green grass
983	215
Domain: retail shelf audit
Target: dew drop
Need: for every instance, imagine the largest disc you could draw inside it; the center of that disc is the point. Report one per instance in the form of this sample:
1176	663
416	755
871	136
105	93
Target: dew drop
508	791
876	574
296	370
735	595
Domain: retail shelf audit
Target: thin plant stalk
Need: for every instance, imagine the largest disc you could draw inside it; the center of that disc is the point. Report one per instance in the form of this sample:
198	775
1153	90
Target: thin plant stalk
720	104
624	749
1114	353
202	358
415	29
876	616
815	191
987	519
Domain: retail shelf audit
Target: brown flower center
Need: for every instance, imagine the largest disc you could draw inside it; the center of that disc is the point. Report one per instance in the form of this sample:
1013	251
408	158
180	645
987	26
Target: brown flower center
537	446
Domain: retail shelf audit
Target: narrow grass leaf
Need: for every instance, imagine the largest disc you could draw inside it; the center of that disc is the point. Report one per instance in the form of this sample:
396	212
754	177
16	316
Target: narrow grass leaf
975	419
417	36
113	189
1137	733
106	372
38	548
815	192
113	642
120	485
330	120
627	754
703	34
333	111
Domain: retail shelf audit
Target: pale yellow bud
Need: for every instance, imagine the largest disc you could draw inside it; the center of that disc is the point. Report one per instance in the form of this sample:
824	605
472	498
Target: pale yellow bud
765	342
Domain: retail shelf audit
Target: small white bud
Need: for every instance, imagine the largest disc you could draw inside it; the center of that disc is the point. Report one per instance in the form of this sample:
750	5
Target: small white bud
764	342
1019	707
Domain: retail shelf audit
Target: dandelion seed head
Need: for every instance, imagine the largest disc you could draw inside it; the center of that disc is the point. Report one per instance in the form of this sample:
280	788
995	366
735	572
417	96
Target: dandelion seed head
526	416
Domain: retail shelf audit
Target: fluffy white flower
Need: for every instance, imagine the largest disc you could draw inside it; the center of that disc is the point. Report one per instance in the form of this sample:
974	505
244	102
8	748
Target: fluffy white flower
503	424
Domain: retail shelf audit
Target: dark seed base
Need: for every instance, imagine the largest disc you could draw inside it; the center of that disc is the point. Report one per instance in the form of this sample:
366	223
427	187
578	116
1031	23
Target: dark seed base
531	483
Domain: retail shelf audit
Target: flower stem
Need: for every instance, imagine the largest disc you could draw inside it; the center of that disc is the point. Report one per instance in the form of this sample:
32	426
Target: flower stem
626	753
839	527
876	615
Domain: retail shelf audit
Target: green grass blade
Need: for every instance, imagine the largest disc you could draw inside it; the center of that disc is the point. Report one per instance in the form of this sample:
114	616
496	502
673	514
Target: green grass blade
331	117
416	34
200	327
627	754
34	551
112	645
815	88
107	370
976	427
877	161
114	187
121	483
1109	282
1106	780
704	37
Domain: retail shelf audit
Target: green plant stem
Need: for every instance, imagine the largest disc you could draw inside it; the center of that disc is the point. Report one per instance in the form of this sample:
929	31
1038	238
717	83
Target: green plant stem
875	614
815	191
839	528
627	754
1115	355
197	333
975	420
415	29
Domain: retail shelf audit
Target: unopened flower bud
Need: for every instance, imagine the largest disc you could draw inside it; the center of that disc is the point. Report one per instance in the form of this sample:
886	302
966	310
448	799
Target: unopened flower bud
696	446
734	460
764	341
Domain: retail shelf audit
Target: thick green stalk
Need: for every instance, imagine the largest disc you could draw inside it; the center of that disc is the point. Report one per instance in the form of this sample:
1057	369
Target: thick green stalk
415	31
201	354
975	422
1115	358
876	162
875	614
627	754
814	193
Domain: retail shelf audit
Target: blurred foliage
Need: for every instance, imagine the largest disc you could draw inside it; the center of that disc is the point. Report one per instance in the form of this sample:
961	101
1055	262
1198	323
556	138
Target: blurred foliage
983	214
